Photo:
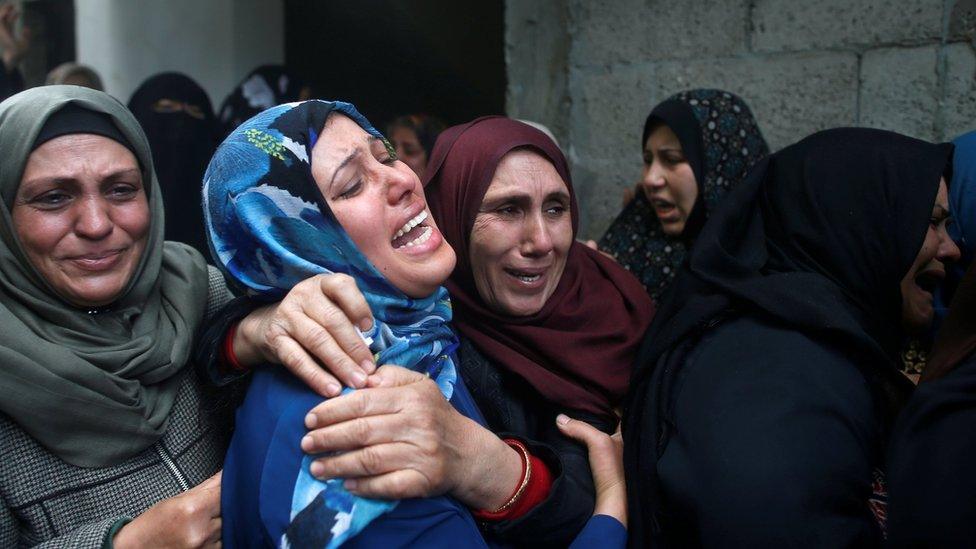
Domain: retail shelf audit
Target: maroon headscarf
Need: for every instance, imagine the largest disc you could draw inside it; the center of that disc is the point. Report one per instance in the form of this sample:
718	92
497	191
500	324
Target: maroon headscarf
577	351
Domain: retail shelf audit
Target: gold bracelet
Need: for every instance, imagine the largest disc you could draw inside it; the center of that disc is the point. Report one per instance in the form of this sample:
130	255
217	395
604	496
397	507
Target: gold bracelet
527	463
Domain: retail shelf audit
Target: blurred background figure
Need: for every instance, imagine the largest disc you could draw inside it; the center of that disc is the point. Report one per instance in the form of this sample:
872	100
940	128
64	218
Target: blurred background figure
15	46
413	137
179	122
265	87
76	75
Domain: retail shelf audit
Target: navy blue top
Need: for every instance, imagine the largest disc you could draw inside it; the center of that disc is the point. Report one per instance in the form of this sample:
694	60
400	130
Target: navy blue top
265	457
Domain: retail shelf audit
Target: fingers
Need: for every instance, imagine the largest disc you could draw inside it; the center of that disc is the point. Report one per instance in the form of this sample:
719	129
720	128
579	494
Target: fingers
353	434
391	375
342	290
401	484
316	338
301	364
368	461
591	244
358	404
596	441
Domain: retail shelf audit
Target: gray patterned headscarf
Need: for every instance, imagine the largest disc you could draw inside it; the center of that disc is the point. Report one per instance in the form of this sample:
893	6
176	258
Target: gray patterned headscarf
94	389
721	140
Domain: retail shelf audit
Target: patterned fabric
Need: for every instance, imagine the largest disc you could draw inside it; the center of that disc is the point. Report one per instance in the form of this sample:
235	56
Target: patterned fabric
271	228
730	144
46	502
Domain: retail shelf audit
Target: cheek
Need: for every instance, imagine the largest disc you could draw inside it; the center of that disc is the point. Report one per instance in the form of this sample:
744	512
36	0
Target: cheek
39	233
685	186
562	235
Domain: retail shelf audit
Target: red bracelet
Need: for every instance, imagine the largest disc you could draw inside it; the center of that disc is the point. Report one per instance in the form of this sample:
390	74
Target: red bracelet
531	490
227	356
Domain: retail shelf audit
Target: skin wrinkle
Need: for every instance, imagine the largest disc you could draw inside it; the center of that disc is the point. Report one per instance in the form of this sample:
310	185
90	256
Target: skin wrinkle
367	190
82	195
521	227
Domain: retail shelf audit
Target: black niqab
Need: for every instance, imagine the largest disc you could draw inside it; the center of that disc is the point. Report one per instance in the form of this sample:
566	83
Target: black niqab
179	122
817	238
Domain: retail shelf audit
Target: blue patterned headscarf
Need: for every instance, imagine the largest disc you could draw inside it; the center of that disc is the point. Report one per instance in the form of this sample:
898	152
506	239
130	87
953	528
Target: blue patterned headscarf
270	228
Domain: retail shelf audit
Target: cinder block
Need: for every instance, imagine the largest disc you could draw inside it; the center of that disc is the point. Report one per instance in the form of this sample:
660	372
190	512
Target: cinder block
899	90
537	63
634	31
959	108
788	25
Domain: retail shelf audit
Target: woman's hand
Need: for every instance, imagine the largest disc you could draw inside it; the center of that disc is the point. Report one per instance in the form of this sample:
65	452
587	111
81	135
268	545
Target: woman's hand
191	519
402	439
312	333
15	46
606	454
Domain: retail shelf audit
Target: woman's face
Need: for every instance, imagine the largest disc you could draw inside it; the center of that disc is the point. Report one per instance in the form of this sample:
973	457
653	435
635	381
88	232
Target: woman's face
668	180
380	203
82	217
409	150
521	235
929	268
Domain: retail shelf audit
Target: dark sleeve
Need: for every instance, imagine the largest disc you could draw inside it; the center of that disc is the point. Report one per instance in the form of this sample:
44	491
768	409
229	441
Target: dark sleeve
932	464
206	352
513	410
773	444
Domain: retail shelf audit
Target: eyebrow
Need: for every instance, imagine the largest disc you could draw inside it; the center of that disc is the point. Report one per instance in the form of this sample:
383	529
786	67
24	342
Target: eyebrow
370	139
62	179
490	202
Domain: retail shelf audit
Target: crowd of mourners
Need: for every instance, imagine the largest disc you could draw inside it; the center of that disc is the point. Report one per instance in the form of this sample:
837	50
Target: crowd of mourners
275	325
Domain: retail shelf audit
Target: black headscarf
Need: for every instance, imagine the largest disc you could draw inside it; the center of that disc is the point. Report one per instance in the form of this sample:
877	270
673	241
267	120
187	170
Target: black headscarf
721	140
178	119
265	87
817	238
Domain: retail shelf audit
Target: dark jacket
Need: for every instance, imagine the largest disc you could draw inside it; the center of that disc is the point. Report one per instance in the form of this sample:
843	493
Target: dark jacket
771	441
931	479
513	409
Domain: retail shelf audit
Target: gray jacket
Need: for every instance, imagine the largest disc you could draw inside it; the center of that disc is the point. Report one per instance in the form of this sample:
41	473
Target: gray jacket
47	502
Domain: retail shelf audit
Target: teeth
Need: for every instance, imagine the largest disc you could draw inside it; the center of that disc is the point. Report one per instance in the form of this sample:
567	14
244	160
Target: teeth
424	236
419	218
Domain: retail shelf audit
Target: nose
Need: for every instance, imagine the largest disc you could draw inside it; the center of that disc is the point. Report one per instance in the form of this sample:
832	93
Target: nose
653	176
536	237
948	252
93	221
400	184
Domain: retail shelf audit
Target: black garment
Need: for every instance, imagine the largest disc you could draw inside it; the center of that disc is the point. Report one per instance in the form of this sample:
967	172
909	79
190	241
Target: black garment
783	451
265	87
11	82
931	473
512	408
178	119
816	240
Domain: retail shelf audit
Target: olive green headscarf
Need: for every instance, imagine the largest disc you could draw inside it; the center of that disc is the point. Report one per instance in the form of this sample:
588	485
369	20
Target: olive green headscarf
94	389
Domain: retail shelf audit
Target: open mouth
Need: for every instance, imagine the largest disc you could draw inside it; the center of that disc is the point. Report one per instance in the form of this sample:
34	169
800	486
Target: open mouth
662	207
929	280
413	233
527	277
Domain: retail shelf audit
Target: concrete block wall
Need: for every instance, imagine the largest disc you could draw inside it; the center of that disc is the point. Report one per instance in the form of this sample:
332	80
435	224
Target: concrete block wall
593	69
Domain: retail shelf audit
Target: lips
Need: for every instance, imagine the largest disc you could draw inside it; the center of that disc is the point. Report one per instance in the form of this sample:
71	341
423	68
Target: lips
663	208
97	261
527	276
413	232
930	279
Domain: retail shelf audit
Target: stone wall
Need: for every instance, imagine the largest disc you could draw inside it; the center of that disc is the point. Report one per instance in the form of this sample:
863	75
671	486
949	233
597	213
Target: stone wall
593	69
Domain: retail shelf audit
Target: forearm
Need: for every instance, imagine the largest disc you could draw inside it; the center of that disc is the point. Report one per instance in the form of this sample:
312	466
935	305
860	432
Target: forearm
489	469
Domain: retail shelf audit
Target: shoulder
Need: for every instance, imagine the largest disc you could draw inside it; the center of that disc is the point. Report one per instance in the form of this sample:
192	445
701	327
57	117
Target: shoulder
218	294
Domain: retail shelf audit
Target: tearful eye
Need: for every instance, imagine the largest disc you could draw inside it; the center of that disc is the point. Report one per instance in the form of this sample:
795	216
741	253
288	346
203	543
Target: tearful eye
352	191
